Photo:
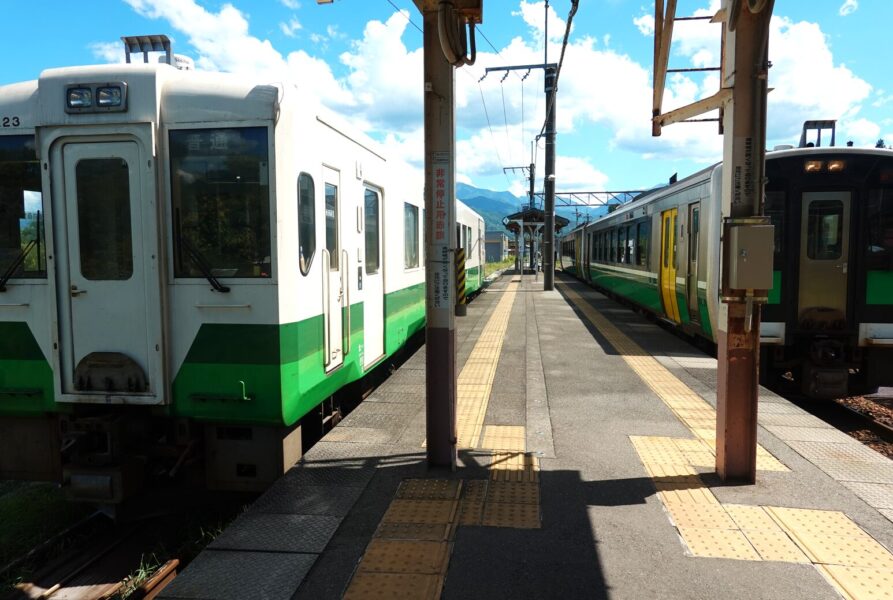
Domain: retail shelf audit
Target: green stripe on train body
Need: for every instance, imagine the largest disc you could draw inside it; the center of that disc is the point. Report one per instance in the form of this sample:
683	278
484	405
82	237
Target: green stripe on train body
641	289
281	365
473	280
26	378
879	287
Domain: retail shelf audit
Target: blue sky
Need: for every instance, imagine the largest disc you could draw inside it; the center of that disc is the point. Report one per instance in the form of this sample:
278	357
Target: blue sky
363	58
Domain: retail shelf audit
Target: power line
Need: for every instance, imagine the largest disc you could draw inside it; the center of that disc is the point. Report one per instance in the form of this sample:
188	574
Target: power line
490	127
400	10
575	4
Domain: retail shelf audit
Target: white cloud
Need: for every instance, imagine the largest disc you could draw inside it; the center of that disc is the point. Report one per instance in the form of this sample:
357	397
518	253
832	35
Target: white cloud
534	15
807	83
645	24
848	7
112	52
291	28
207	31
292	4
861	132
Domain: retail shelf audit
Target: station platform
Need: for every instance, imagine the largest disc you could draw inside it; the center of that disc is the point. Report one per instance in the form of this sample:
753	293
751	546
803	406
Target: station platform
586	471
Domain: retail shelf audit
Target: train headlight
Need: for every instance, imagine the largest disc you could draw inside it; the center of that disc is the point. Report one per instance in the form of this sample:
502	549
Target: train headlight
813	166
836	166
80	97
109	96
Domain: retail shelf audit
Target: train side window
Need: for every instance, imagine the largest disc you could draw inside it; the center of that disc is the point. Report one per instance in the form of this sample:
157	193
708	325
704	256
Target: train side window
880	229
410	236
306	221
620	242
675	241
21	208
774	209
630	246
667	232
825	230
694	229
332	225
371	206
643	230
220	192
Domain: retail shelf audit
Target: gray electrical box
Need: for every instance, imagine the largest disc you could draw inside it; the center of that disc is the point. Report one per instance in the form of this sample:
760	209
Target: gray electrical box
751	249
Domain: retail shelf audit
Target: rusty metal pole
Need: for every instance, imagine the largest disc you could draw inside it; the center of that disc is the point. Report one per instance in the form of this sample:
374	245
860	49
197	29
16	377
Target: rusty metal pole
744	143
440	229
549	182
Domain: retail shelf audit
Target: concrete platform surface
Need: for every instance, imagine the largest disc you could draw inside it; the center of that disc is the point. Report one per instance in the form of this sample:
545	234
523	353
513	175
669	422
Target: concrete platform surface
586	470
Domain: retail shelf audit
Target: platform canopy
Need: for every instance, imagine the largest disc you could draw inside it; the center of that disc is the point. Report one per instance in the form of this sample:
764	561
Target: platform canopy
531	218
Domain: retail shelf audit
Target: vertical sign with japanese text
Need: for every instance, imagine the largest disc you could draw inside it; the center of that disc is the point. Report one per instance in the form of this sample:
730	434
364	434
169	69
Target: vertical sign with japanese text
442	224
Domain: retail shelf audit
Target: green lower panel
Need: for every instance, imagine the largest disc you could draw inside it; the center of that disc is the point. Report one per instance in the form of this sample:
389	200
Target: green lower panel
473	280
26	379
879	287
775	292
404	316
705	315
641	289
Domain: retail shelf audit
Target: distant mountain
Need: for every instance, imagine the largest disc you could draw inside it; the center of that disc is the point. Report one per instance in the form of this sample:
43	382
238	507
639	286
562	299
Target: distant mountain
492	206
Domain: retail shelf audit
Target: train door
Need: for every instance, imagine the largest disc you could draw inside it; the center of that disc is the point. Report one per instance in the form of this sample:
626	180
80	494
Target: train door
691	278
824	244
109	299
668	264
373	280
333	280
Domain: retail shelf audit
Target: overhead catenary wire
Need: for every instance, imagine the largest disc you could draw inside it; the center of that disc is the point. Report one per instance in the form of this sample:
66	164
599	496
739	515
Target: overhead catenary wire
490	127
401	11
473	78
575	4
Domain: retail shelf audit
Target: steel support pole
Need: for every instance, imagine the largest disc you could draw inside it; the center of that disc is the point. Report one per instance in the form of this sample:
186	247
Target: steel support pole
744	143
440	230
549	184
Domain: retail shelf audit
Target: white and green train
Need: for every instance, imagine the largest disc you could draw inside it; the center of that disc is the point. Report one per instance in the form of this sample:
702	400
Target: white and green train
828	324
190	263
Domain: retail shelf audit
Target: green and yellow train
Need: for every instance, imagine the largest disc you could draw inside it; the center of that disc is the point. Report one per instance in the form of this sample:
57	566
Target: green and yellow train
828	324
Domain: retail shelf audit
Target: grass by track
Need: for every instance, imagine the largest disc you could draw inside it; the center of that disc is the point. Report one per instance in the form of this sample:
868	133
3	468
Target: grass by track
30	513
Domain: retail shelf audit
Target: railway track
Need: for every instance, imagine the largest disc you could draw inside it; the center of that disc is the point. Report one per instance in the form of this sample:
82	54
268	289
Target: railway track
133	559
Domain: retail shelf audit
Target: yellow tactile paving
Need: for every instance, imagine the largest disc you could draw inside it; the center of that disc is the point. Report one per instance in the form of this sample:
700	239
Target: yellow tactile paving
514	466
517	516
700	516
514	492
675	493
420	511
402	556
696	413
426	532
855	583
475	381
394	586
505	437
718	543
751	517
429	489
775	545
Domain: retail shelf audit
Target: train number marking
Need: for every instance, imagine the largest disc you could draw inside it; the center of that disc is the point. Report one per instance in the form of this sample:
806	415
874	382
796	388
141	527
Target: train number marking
10	122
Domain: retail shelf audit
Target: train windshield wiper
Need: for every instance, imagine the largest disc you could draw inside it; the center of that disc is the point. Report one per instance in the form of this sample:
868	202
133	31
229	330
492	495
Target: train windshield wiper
16	262
202	264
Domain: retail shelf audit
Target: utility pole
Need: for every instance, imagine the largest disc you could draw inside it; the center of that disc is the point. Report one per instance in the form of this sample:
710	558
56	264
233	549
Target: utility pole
444	50
549	178
747	236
